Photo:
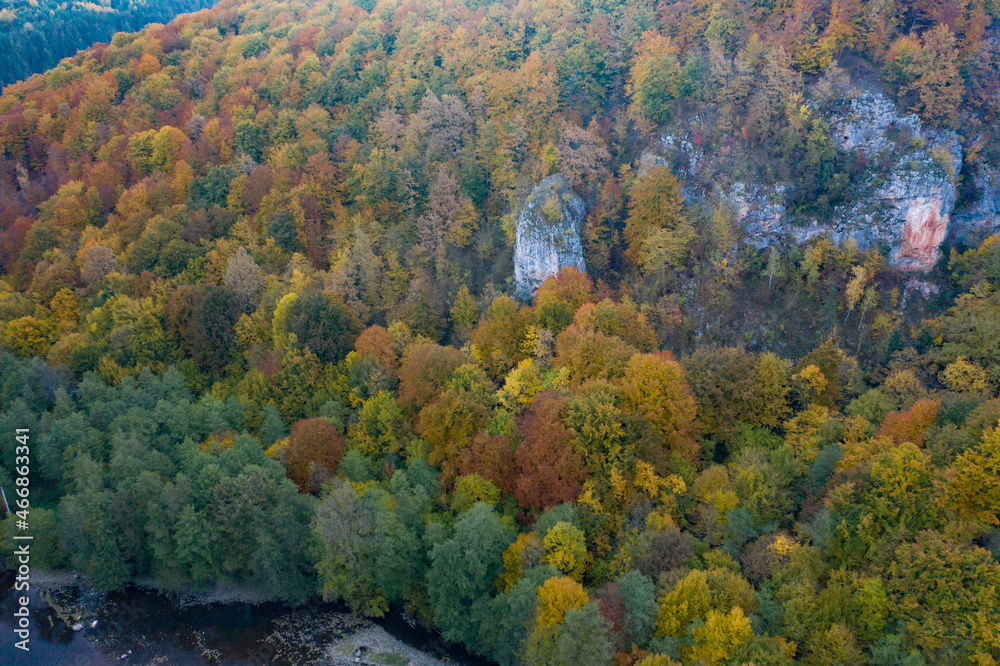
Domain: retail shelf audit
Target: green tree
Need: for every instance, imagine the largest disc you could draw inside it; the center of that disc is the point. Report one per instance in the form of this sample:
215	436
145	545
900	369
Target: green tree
945	596
323	325
655	78
381	428
463	571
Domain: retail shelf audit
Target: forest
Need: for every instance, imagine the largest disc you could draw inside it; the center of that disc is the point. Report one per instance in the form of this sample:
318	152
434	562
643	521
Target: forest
35	35
257	311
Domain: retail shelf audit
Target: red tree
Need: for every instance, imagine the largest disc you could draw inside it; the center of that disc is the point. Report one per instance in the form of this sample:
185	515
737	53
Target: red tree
550	472
491	457
315	448
425	369
909	426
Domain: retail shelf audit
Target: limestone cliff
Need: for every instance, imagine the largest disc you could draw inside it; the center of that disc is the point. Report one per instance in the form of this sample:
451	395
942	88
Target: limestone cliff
548	234
908	209
982	218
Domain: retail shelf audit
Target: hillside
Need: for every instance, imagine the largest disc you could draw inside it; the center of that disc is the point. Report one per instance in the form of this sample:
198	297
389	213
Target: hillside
585	332
35	36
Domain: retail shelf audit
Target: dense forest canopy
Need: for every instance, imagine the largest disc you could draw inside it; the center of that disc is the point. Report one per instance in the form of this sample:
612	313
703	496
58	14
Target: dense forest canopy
257	310
36	34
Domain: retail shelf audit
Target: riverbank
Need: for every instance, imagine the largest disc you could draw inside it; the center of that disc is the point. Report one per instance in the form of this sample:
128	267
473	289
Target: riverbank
75	623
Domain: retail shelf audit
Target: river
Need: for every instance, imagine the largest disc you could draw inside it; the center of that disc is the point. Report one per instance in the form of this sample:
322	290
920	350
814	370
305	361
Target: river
142	626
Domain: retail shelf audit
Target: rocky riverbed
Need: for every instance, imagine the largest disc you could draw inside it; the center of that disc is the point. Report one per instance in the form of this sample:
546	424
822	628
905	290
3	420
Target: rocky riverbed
73	623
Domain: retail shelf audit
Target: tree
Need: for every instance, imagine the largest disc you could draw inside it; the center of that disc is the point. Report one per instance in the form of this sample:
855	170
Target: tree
204	317
95	263
622	320
491	457
458	414
500	336
323	325
654	386
974	480
450	217
669	549
698	594
638	595
733	387
690	599
910	426
245	279
559	298
27	335
583	156
590	354
566	550
964	377
555	597
945	596
550	472
774	268
464	314
508	617
463	570
655	78
855	290
522	384
524	555
314	450
969	329
656	206
346	526
581	638
935	77
900	493
425	370
377	342
719	636
471	489
381	429
194	546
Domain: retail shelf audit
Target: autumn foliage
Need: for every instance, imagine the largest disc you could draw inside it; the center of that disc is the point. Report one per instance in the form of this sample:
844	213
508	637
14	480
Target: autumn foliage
549	471
910	426
315	448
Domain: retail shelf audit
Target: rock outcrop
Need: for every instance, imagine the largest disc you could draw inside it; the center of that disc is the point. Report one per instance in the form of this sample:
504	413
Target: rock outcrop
548	234
924	202
982	218
908	209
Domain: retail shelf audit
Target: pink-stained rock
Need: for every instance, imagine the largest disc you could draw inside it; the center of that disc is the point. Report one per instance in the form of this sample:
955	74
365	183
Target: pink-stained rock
925	228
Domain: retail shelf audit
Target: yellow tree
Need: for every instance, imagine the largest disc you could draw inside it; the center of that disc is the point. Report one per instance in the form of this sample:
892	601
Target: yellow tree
654	385
566	549
555	597
936	79
722	633
655	203
974	480
523	554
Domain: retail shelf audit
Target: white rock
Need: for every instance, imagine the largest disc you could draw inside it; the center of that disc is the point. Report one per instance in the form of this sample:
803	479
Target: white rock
547	243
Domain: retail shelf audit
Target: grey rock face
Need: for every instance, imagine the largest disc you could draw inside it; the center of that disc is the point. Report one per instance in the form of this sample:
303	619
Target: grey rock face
982	219
864	126
548	234
911	210
908	209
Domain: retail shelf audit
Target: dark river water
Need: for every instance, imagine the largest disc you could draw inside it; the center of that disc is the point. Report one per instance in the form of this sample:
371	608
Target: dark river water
139	626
